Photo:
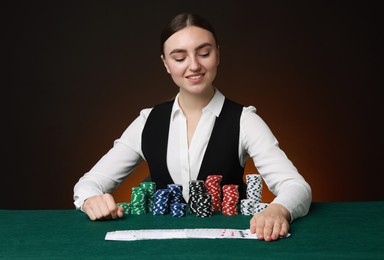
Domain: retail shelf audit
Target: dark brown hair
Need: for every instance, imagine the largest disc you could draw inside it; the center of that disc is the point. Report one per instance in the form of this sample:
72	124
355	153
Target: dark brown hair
181	21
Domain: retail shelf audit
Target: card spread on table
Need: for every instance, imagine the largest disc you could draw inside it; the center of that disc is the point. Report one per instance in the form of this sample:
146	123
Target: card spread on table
148	234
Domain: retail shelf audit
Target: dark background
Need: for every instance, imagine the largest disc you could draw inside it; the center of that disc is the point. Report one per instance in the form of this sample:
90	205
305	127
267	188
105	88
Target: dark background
77	73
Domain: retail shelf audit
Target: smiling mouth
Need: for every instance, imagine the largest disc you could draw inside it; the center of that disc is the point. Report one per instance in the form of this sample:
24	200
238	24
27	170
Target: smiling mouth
195	76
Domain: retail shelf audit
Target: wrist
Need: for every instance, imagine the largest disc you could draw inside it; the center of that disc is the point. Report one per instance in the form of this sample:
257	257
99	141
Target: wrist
282	210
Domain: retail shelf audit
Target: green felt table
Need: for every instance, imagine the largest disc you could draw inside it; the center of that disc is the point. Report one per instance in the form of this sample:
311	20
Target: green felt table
343	230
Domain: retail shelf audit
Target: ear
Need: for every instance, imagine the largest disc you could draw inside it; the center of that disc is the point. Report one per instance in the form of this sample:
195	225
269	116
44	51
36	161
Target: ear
165	63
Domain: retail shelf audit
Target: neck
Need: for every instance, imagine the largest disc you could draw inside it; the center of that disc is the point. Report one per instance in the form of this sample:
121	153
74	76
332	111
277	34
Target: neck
191	103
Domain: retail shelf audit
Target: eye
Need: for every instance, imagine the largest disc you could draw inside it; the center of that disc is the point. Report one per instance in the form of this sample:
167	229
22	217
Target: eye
178	58
206	54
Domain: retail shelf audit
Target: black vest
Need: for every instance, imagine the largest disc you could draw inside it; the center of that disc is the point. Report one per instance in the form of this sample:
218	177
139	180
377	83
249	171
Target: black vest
222	153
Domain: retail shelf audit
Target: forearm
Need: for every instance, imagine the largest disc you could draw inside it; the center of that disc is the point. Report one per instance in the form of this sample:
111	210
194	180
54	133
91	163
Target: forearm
285	182
89	185
296	197
107	174
278	172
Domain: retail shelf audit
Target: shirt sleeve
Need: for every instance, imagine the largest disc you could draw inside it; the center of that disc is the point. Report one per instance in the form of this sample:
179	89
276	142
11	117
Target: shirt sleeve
278	172
115	165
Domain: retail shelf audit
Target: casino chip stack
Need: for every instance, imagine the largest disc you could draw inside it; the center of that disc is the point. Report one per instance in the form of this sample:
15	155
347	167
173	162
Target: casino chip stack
161	202
254	187
150	189
230	199
247	206
178	209
176	193
212	184
138	201
126	206
204	205
195	188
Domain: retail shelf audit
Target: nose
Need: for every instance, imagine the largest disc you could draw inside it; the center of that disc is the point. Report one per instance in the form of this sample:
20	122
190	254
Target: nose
194	65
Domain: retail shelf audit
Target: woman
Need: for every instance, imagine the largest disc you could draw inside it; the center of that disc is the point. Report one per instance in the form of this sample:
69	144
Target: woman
207	133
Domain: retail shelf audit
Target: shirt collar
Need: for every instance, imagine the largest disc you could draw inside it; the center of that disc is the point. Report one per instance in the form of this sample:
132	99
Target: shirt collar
214	106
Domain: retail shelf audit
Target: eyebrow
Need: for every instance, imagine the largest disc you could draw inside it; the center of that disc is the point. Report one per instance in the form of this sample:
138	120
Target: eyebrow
196	49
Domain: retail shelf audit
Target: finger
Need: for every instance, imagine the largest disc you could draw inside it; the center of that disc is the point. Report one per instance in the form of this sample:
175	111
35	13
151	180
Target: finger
120	211
105	212
88	208
90	214
252	225
268	228
284	229
101	209
276	230
260	226
94	213
112	207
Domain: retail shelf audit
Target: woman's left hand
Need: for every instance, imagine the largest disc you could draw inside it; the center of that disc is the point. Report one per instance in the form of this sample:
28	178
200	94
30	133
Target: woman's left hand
272	223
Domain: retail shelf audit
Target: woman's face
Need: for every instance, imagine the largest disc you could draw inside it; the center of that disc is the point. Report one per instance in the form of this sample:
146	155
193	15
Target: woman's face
191	57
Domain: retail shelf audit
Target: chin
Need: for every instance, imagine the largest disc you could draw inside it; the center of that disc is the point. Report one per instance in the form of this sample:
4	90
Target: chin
199	90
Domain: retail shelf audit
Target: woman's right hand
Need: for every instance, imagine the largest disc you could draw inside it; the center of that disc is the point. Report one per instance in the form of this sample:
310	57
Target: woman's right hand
100	207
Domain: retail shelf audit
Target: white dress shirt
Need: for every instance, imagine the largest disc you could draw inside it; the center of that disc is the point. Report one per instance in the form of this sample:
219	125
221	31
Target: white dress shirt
256	141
